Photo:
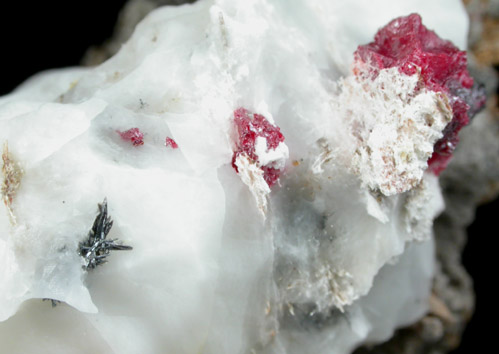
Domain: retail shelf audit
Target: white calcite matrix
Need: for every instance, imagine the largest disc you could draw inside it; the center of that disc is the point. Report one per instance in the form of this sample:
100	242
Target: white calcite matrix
336	254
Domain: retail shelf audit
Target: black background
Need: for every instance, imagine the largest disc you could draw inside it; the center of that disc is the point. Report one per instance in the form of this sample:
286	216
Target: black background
42	35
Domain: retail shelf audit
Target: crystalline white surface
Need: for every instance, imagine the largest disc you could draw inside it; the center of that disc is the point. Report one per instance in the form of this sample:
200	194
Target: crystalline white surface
252	175
396	132
207	272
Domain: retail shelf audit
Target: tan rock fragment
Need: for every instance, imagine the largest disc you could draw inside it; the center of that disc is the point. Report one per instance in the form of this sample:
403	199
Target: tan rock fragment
12	175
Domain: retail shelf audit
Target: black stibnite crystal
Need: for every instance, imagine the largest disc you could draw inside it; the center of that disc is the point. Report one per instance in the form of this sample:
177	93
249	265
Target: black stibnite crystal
96	248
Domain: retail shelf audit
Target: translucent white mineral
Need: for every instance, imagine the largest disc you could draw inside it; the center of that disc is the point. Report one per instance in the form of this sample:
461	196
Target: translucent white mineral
329	263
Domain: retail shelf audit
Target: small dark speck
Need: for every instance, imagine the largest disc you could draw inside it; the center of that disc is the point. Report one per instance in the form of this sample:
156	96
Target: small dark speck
53	302
142	103
63	202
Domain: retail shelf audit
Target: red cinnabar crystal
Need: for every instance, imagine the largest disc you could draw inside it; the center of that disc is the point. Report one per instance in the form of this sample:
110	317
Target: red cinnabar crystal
171	143
249	127
407	44
134	135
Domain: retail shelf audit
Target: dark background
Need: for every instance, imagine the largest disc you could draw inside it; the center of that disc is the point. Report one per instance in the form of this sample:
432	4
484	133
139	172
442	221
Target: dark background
41	35
479	257
36	36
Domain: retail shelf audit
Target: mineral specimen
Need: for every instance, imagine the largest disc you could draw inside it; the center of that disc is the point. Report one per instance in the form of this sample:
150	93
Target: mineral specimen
414	50
295	215
169	142
260	154
134	135
261	142
96	248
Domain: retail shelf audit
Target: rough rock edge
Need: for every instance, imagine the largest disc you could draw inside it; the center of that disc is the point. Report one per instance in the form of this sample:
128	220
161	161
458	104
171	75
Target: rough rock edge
476	161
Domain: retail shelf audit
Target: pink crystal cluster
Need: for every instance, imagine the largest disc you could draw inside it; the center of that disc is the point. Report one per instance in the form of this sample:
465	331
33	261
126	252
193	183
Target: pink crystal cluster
134	135
249	127
407	44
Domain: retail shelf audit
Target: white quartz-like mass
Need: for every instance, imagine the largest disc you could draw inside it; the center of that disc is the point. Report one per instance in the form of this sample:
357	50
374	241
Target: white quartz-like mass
322	262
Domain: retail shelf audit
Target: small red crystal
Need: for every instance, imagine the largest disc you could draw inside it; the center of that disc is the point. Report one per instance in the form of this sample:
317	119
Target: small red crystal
407	44
270	175
171	143
133	135
249	127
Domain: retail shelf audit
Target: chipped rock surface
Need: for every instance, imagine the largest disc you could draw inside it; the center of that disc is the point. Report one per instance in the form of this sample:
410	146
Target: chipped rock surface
315	236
